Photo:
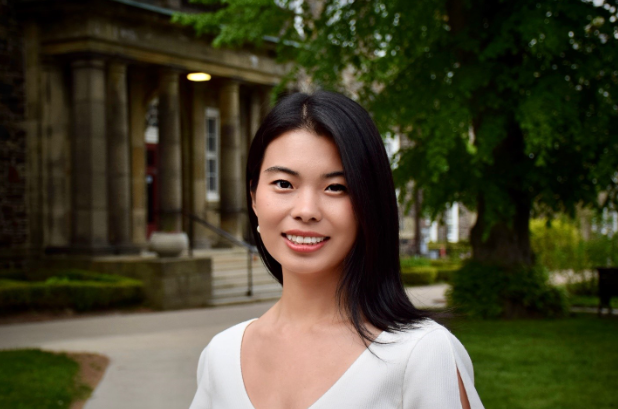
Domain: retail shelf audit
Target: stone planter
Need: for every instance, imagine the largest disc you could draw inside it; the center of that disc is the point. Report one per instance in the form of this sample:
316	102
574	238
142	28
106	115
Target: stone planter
167	244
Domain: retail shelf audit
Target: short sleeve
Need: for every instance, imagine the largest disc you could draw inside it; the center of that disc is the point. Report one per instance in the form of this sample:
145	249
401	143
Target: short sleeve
430	379
201	400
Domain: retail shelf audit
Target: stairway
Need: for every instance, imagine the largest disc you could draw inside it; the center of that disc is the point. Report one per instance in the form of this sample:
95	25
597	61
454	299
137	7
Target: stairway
230	278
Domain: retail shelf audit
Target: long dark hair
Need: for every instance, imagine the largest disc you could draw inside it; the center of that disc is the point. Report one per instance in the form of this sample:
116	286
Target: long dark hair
370	287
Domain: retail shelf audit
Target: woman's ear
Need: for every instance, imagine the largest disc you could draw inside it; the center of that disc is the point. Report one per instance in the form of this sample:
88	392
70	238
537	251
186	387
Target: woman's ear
252	192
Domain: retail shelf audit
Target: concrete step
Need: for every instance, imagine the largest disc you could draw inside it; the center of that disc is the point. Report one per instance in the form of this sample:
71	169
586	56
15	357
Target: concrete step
258	289
230	278
239	295
242	282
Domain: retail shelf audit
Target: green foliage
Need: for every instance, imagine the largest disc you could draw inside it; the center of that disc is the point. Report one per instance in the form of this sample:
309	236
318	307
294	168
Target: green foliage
485	291
588	286
446	270
409	262
454	251
76	289
31	378
459	78
543	364
589	301
419	275
559	246
414	270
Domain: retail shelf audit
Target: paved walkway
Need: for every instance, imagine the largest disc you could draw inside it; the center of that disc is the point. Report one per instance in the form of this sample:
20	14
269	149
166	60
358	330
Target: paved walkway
153	356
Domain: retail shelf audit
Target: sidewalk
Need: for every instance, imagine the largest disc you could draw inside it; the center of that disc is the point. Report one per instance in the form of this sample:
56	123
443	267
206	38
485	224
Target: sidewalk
153	356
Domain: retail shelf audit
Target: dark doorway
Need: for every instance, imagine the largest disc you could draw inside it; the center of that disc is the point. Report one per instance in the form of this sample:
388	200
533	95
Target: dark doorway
152	187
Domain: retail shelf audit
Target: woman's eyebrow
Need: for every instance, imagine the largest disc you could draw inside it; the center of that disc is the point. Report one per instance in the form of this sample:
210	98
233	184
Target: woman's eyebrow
333	174
274	169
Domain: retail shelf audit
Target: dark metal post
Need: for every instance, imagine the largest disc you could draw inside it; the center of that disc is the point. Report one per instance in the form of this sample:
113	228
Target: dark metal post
250	273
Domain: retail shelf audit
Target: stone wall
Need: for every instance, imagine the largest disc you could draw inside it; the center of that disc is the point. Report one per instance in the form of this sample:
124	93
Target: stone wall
13	217
169	283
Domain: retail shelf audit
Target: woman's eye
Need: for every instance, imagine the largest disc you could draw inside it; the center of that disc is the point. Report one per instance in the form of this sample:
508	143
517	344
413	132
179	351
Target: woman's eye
337	188
282	184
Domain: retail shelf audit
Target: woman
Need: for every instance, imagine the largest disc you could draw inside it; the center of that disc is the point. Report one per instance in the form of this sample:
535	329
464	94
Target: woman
344	334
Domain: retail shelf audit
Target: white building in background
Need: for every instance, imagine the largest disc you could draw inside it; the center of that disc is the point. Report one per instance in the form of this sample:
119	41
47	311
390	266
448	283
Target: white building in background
456	221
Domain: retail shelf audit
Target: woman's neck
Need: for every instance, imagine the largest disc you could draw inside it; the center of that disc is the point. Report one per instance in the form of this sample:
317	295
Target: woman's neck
308	300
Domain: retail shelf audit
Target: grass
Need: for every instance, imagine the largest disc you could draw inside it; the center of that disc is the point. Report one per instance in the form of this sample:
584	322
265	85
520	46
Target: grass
544	364
31	378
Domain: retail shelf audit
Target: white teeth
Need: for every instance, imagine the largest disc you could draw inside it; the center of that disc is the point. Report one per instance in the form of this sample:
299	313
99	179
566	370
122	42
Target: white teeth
304	240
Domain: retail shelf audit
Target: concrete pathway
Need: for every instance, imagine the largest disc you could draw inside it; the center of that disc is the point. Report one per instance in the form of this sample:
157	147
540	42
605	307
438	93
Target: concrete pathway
153	356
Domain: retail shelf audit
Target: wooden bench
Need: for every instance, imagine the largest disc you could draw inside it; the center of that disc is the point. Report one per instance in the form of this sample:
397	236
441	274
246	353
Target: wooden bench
608	287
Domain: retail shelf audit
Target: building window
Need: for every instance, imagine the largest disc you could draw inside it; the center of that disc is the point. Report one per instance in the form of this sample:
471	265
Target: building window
212	154
152	122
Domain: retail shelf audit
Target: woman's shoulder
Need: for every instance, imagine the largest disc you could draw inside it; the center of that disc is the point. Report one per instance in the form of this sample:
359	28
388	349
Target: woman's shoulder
413	334
230	336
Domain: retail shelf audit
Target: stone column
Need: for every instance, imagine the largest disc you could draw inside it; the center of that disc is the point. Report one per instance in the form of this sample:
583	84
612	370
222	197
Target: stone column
137	125
198	165
89	164
170	181
231	158
118	163
55	118
255	113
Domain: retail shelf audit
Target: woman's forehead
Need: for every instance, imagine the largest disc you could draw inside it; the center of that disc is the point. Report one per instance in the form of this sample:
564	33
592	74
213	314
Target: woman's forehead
300	150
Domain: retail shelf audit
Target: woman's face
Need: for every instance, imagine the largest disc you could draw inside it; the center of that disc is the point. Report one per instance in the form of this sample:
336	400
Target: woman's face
303	208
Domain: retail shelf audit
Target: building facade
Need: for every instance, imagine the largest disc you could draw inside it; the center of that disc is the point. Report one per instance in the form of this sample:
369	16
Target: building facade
107	139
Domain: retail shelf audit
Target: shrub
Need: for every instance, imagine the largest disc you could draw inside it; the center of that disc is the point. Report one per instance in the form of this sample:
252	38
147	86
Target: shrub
421	275
454	251
76	289
446	271
410	262
558	246
587	287
486	291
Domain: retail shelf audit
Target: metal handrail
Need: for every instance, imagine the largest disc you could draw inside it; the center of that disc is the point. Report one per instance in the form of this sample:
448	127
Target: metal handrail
251	249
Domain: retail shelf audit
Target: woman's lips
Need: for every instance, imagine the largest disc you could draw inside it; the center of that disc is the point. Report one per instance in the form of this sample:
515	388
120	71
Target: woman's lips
304	247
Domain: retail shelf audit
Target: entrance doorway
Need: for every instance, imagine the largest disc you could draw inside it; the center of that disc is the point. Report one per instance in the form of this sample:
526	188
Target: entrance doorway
152	188
151	136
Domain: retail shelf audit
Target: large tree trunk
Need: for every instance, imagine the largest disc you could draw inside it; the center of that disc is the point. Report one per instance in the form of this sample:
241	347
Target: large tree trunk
505	241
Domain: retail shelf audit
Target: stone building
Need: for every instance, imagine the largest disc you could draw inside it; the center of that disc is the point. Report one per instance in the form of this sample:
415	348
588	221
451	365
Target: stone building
105	139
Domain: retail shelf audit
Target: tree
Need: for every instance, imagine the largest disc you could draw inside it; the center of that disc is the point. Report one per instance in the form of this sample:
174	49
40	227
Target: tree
511	106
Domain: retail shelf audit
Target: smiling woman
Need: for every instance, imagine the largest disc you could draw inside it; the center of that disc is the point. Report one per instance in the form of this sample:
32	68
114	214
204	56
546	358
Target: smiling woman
344	334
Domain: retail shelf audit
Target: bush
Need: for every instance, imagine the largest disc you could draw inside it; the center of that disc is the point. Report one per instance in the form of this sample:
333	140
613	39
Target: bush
559	246
410	262
486	291
454	251
75	289
586	287
421	275
446	271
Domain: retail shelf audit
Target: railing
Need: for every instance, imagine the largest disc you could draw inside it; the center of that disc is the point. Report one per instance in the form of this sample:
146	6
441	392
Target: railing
251	249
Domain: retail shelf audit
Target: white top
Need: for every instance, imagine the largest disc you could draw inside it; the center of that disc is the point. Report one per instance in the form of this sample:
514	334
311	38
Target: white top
414	369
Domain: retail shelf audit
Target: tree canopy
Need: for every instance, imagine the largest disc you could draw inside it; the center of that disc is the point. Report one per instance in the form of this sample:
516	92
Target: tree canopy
511	106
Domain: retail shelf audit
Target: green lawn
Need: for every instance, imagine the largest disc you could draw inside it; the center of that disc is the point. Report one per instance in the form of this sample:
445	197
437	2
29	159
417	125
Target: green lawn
34	379
544	364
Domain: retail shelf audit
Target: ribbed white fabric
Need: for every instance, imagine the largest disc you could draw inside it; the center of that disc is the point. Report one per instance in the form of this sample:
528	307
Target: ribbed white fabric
415	369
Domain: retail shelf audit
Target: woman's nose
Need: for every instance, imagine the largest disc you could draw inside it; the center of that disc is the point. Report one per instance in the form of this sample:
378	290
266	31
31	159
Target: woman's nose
306	207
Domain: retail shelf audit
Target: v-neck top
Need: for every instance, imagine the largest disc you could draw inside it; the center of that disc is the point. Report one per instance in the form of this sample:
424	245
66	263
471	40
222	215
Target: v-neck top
413	369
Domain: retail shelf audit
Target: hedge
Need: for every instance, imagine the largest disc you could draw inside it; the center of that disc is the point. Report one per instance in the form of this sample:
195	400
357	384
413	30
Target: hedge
75	289
421	275
486	291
